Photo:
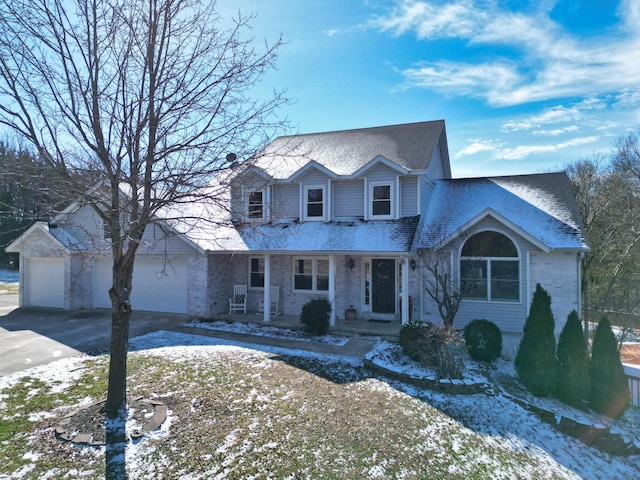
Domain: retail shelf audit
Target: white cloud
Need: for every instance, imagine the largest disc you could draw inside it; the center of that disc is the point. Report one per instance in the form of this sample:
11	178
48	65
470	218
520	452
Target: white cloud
556	131
540	60
523	151
554	115
477	146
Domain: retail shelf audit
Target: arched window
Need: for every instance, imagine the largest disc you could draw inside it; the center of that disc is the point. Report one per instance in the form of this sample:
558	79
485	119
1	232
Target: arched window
490	268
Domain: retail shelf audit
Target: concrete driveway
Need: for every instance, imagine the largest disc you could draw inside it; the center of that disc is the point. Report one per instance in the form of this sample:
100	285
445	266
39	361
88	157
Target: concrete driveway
37	336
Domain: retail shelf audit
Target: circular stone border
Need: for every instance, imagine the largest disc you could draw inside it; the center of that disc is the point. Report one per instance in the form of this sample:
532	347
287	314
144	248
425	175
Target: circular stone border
65	431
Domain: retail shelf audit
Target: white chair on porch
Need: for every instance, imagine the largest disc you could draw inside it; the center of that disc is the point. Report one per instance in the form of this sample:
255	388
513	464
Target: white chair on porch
238	302
275	302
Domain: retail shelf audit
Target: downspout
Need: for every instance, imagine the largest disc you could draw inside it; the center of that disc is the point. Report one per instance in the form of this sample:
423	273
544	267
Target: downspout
579	280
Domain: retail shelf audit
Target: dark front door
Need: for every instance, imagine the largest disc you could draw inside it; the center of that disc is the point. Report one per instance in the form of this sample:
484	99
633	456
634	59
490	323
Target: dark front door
383	285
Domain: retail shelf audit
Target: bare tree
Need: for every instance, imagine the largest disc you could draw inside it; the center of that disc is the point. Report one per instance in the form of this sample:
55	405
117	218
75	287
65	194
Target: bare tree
152	94
438	277
608	195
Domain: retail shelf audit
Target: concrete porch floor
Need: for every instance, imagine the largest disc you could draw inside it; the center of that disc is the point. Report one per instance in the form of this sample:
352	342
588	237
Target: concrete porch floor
345	328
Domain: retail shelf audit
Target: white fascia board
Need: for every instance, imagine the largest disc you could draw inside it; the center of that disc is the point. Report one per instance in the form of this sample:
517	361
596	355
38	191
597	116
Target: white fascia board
15	246
312	164
489	212
380	160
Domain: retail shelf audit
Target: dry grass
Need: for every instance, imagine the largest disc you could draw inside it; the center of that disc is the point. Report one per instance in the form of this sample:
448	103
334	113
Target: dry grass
241	414
9	288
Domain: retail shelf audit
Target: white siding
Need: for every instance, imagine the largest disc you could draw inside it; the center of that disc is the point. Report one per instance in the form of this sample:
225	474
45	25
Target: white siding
86	226
348	198
408	196
382	174
158	240
286	200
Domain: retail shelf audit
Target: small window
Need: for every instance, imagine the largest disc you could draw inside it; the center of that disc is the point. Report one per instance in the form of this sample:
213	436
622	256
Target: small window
381	200
106	230
256	205
256	272
311	274
314	202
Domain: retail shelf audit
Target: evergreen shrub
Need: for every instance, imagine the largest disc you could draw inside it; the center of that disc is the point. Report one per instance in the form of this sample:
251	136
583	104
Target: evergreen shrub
315	316
483	340
609	384
573	364
536	361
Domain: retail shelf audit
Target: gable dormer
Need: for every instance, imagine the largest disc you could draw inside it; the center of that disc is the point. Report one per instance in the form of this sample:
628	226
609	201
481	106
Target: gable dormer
251	197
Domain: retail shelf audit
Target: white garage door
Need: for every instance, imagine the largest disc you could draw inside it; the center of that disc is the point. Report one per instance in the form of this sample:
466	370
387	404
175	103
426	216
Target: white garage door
44	282
157	287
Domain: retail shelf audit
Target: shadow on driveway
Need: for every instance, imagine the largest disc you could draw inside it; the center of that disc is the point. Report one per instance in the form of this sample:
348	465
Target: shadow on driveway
35	336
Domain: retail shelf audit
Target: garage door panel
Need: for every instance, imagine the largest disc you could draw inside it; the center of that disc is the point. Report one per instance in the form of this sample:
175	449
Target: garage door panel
45	282
158	286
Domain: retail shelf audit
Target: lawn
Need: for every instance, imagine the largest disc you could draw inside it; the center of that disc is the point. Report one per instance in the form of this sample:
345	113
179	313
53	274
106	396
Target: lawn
237	412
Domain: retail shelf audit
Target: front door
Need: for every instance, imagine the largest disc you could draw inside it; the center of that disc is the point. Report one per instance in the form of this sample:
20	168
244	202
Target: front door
383	285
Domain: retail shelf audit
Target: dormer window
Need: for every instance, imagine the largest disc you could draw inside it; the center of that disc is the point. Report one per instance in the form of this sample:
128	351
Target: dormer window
314	203
256	205
380	195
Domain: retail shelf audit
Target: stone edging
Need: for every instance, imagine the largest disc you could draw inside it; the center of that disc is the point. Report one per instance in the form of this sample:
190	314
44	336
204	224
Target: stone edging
159	416
595	435
453	387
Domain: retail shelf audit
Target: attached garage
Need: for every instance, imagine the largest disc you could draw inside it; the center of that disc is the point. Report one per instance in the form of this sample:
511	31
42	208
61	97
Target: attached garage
158	286
44	282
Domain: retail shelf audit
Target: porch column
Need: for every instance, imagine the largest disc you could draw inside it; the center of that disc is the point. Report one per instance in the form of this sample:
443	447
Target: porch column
267	288
405	290
332	289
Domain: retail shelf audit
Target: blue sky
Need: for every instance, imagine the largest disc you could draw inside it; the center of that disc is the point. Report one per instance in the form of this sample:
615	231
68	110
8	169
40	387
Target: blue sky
524	86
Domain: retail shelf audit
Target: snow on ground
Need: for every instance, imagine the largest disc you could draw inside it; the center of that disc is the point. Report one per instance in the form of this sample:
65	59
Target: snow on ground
498	420
265	331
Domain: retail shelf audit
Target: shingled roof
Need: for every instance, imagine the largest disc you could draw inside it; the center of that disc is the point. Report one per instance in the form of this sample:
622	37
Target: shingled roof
344	152
542	205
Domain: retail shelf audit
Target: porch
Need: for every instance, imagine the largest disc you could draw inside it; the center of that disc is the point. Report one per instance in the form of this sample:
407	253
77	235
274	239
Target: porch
388	330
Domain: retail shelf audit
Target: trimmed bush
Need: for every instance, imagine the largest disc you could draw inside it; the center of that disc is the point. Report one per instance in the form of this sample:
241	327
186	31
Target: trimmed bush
536	361
483	340
609	384
432	345
409	339
573	364
315	316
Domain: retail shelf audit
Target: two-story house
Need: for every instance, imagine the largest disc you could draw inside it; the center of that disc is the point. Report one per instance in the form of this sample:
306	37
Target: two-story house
347	215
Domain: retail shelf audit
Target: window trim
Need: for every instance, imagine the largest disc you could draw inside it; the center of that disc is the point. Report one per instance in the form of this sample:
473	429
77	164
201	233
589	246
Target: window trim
251	272
305	203
488	266
371	201
314	274
248	204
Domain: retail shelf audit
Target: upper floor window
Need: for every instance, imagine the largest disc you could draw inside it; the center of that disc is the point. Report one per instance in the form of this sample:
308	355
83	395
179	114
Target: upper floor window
255	207
311	274
381	200
256	272
106	230
490	268
314	203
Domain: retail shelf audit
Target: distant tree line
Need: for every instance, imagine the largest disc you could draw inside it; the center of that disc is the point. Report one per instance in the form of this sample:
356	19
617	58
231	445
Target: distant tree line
607	189
30	191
